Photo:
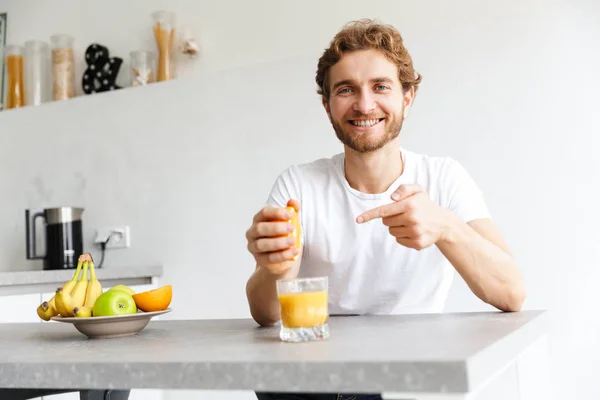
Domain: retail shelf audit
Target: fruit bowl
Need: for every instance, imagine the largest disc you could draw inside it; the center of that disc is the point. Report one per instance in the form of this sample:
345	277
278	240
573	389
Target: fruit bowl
111	326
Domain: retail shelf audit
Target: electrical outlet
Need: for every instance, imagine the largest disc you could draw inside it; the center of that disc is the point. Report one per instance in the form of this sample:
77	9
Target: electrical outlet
118	237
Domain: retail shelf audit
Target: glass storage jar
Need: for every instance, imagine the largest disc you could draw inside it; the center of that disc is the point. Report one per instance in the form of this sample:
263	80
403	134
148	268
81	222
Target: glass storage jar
164	33
63	67
15	95
37	72
142	67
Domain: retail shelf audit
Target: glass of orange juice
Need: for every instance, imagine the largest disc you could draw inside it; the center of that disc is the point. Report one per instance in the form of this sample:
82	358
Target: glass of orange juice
304	311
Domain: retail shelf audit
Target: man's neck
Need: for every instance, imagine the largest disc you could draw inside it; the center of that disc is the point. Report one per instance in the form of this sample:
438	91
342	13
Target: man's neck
373	172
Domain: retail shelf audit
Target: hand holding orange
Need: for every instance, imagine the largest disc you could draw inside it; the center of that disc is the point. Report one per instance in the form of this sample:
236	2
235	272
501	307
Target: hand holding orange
274	238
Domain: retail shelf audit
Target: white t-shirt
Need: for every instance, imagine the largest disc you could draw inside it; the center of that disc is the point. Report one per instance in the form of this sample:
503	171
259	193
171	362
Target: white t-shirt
368	271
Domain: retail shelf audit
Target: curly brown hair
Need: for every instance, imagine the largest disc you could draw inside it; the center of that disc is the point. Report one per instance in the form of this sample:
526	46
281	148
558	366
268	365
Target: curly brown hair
367	34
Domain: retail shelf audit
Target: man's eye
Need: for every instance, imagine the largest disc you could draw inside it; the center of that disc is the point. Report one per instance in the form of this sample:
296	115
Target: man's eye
382	87
345	90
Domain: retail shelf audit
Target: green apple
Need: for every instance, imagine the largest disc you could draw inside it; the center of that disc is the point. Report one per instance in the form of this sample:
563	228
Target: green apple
114	302
123	288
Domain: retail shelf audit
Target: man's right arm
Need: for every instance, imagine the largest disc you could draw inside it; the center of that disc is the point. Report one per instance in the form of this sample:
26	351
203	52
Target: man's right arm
261	291
273	247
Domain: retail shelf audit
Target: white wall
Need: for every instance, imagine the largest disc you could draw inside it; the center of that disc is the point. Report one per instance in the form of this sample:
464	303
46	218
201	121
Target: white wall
509	89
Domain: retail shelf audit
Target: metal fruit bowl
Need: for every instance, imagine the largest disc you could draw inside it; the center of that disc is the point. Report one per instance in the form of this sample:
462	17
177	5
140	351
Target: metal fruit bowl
113	326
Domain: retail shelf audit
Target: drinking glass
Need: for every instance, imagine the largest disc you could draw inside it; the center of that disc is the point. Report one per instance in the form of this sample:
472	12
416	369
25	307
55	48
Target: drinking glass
304	311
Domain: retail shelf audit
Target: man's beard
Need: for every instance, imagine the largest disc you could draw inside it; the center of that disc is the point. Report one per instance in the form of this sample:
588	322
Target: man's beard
364	143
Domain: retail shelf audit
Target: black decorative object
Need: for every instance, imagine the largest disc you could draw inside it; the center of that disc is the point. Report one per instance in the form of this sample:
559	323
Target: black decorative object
101	73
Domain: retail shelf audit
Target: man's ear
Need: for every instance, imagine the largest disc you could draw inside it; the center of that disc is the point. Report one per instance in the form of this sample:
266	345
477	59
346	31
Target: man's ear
409	96
326	106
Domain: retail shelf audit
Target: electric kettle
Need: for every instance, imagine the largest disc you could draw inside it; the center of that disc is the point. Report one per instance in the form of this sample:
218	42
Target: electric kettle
63	236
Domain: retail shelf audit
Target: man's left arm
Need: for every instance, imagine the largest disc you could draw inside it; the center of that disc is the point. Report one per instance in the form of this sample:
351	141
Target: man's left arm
480	255
476	248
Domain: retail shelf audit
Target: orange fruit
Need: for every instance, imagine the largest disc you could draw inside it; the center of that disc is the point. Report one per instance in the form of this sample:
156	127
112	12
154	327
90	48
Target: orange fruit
295	221
155	299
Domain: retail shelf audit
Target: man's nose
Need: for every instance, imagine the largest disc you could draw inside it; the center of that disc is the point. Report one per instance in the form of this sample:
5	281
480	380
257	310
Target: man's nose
365	103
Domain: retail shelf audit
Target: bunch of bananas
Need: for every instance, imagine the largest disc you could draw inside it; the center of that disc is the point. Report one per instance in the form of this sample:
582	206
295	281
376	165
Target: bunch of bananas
76	297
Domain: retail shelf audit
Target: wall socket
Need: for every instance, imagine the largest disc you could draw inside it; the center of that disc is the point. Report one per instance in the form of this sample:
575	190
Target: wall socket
118	237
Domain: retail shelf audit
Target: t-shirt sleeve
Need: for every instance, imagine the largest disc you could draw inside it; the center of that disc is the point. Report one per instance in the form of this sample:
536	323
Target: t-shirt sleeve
287	187
465	197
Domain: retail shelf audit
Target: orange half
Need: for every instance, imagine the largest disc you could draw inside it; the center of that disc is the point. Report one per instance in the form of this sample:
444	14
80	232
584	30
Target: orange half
297	232
154	300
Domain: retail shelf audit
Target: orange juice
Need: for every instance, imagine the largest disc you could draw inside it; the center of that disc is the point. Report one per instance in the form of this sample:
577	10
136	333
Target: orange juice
303	310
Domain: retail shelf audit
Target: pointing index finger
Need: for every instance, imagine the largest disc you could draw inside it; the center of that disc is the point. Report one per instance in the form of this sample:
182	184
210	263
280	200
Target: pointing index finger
368	215
382	212
377	212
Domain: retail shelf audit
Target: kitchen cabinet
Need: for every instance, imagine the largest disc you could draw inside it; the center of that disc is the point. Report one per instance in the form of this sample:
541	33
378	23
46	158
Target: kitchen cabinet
136	394
19	308
62	396
21	292
35	282
146	394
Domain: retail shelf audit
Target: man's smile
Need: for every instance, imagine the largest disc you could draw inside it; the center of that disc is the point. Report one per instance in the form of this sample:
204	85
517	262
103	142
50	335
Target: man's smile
365	123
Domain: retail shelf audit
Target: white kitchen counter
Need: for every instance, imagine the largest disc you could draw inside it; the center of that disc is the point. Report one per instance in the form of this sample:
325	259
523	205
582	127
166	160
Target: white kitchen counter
435	356
29	282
